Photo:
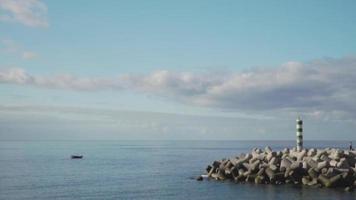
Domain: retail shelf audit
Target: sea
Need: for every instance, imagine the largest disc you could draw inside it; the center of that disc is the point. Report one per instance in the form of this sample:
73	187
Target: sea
138	170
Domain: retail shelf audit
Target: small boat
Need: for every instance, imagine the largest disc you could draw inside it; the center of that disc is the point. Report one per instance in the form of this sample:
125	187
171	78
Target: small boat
76	156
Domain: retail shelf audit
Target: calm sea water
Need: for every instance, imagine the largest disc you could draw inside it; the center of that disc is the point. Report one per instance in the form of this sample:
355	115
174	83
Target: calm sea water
135	170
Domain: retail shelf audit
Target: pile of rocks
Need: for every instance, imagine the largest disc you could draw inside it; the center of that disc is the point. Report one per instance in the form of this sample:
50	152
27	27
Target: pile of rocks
313	167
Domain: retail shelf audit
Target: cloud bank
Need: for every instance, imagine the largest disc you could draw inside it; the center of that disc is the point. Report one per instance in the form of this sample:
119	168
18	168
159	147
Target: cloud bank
31	13
320	88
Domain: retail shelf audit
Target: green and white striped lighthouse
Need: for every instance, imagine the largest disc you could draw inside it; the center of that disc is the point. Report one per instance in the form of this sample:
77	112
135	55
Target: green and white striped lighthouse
299	134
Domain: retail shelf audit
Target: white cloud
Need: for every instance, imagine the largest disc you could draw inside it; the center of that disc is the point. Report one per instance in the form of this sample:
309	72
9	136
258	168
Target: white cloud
323	88
31	13
11	47
29	55
63	81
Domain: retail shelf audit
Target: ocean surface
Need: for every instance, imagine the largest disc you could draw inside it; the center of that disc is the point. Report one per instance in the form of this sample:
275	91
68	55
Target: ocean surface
136	170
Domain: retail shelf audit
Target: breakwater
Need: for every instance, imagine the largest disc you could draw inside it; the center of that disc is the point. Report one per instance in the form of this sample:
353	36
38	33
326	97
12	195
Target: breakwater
328	167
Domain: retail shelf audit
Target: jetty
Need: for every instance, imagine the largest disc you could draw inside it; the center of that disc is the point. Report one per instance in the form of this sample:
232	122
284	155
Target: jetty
329	167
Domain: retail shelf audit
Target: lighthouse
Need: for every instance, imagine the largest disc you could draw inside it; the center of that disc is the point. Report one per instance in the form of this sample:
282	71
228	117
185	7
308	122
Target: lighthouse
299	134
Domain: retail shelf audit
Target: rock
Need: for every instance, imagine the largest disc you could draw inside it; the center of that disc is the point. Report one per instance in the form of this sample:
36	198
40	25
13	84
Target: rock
314	167
333	163
270	155
250	178
304	165
273	161
325	158
324	180
221	175
330	172
212	171
312	163
296	165
278	154
241	171
260	172
234	161
311	152
324	171
215	176
328	182
285	151
322	165
258	150
285	163
301	155
271	175
227	173
312	173
348	189
247	166
259	179
305	180
343	163
208	168
254	166
268	149
313	182
246	173
228	165
319	153
273	167
234	171
216	164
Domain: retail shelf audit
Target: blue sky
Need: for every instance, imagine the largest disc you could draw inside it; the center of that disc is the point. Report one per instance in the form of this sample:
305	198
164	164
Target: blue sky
248	61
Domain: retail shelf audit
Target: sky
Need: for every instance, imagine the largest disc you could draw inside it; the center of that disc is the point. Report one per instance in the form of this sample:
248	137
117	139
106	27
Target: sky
177	70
